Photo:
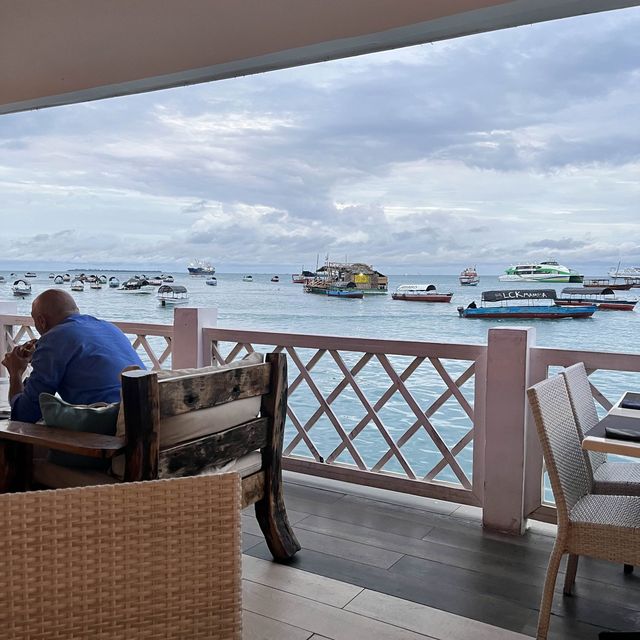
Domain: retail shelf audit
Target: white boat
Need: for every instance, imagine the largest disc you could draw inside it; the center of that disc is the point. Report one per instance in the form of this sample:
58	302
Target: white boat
172	294
58	279
421	293
30	274
77	285
167	278
136	286
52	276
547	271
66	277
114	283
21	288
2	279
156	282
469	277
96	284
247	278
212	282
275	279
102	279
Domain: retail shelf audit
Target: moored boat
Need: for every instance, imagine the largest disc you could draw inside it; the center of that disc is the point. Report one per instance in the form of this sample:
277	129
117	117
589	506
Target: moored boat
601	283
52	276
102	279
21	288
58	279
275	279
547	271
523	304
30	274
364	277
168	278
469	277
136	286
114	283
604	298
172	294
66	277
2	279
96	284
77	285
420	293
212	281
348	291
303	277
247	278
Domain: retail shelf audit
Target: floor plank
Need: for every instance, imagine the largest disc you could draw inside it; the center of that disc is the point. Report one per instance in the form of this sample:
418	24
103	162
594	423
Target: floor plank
257	627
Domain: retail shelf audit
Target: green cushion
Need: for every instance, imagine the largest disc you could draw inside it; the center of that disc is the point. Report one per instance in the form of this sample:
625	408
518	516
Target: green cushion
98	418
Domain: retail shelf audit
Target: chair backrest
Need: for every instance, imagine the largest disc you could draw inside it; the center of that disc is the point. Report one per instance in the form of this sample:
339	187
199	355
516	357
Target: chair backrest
148	401
583	406
570	476
133	560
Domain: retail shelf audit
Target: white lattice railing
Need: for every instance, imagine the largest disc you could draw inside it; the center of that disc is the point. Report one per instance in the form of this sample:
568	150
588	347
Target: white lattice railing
153	342
389	413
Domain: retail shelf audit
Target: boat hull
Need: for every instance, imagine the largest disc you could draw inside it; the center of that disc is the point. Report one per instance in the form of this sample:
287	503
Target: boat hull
438	297
558	279
529	312
351	295
609	305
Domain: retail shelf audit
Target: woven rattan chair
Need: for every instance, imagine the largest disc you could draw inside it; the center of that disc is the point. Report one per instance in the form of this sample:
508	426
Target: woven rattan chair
154	559
601	526
613	478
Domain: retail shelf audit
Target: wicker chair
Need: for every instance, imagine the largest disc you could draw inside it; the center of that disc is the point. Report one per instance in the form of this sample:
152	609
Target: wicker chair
601	526
612	478
157	559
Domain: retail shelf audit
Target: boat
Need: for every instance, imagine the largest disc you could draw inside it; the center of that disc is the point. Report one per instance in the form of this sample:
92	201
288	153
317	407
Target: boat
52	276
548	271
21	288
136	286
631	275
167	278
347	290
601	283
172	294
30	274
58	280
303	277
420	293
247	278
102	279
156	282
212	281
524	304
469	277
200	268
114	283
275	279
2	279
77	285
604	298
363	276
66	277
96	284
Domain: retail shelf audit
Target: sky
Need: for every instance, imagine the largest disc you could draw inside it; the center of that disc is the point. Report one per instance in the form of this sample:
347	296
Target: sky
504	147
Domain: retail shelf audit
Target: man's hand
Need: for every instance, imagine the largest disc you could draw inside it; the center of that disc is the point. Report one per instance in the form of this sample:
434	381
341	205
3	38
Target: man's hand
15	363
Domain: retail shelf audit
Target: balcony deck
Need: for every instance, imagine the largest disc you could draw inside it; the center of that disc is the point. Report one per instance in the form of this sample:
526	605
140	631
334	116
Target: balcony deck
412	568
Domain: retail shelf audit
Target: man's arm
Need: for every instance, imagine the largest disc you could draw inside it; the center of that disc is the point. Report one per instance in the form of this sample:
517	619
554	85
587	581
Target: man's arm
16	366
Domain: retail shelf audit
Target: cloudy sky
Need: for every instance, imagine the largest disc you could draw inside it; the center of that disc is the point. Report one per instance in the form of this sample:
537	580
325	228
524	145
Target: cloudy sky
517	145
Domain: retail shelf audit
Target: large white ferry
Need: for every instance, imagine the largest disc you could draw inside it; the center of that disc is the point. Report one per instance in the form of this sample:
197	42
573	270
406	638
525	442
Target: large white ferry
547	271
201	268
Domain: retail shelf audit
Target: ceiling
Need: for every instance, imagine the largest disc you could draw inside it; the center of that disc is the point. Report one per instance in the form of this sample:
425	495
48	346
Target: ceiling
69	51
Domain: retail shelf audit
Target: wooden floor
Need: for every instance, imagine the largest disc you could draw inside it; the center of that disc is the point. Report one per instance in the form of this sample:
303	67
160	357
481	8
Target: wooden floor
384	565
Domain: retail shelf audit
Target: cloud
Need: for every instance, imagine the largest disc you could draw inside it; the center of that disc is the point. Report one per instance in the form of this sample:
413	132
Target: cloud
493	147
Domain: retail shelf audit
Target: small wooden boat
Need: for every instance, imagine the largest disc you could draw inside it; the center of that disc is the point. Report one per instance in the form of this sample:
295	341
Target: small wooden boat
136	286
52	276
114	283
77	285
21	288
350	293
275	279
96	284
172	294
420	293
2	279
102	279
604	298
469	277
524	304
168	278
66	277
601	283
157	281
247	278
30	274
58	280
212	281
303	277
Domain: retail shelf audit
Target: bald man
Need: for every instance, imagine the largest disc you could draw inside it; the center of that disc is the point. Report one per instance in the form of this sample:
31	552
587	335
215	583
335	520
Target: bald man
77	356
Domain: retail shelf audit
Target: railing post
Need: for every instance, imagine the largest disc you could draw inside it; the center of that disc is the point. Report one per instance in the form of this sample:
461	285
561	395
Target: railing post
506	409
8	307
188	347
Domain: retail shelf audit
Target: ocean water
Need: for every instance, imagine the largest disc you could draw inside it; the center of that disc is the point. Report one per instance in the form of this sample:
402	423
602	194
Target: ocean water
284	307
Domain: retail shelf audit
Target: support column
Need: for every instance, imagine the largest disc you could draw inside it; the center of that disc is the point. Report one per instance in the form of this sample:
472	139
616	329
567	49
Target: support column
506	409
8	307
189	348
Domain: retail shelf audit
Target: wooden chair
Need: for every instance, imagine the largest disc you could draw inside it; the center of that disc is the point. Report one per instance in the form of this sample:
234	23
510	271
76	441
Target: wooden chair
147	402
136	560
601	526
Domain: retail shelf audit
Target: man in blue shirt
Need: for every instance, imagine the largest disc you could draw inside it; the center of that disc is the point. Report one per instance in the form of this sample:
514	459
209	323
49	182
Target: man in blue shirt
77	356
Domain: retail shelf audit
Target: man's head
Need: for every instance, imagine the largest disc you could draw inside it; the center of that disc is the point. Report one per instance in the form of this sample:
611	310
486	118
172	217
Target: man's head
50	308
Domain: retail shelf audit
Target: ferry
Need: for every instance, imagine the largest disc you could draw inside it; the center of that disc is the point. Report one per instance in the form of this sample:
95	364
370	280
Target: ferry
548	271
469	277
603	298
200	268
420	293
524	304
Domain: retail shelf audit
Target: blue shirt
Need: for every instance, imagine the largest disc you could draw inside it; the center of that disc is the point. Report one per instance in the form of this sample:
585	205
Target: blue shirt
80	359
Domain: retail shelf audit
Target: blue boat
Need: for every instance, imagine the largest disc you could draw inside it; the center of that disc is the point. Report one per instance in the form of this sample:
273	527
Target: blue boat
345	291
524	304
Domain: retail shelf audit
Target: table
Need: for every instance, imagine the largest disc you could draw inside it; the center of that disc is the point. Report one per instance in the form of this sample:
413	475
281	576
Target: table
595	440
